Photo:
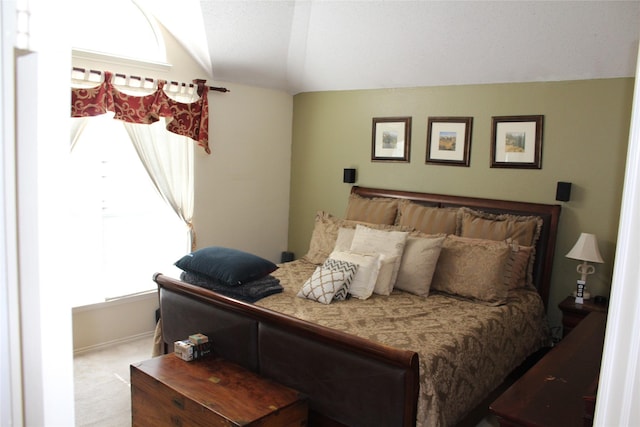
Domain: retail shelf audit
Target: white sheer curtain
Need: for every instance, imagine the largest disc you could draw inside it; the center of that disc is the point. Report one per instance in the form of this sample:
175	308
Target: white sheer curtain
77	126
168	159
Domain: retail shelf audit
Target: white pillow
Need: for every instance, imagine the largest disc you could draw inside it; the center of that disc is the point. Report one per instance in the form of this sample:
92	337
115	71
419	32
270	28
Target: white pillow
418	264
364	281
384	286
344	239
389	243
328	282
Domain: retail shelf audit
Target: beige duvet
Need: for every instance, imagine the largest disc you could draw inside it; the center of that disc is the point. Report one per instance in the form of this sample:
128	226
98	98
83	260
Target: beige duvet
466	349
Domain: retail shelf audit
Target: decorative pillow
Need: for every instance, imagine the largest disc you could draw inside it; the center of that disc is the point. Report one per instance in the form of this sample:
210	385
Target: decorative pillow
481	225
323	285
473	269
375	210
325	233
323	237
384	284
364	281
418	264
518	271
524	230
389	243
344	239
230	266
348	268
427	219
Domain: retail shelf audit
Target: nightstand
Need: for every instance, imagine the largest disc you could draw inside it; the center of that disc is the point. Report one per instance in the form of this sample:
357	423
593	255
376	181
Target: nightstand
573	313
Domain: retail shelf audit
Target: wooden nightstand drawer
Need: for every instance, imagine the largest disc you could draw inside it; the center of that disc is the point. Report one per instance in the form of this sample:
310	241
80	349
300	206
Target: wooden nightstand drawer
573	313
167	391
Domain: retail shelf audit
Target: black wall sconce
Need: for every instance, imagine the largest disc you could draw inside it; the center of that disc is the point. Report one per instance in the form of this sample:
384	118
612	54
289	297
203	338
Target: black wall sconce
349	176
563	191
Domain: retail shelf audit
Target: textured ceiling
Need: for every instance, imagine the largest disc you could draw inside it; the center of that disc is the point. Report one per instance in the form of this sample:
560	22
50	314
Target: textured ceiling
302	46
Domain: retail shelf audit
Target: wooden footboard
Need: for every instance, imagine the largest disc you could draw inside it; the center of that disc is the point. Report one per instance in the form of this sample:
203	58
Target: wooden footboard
349	380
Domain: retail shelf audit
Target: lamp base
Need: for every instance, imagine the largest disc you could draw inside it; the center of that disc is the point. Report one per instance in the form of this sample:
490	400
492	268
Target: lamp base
585	295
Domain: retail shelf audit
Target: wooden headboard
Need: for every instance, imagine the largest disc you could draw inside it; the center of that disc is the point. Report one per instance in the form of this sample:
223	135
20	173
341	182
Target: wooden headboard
550	214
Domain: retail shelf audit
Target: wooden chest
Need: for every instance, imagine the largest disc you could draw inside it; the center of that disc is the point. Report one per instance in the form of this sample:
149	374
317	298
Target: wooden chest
167	391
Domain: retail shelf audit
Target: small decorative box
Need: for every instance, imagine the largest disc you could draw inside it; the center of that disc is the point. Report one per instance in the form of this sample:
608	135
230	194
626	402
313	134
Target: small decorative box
198	339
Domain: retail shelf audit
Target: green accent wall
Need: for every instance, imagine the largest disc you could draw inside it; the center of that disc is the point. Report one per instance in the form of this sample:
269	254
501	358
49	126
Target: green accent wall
586	127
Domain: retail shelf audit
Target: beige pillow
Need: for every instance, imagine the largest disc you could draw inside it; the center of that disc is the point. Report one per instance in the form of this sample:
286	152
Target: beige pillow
472	269
325	234
518	271
481	225
364	281
418	264
323	237
388	243
427	219
376	210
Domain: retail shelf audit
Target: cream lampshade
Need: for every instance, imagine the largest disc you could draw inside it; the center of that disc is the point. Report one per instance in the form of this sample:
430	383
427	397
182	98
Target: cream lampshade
585	250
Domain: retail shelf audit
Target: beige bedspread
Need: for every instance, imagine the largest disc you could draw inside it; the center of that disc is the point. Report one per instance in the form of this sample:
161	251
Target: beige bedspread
466	349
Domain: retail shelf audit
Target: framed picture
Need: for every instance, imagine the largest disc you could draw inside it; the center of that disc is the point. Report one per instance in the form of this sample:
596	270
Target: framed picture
449	140
517	142
391	139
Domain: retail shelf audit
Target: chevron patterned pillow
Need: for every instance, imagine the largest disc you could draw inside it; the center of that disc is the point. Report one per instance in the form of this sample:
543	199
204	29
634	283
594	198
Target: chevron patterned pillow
348	268
327	282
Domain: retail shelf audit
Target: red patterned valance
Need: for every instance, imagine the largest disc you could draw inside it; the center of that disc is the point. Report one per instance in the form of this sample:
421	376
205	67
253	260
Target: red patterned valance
191	120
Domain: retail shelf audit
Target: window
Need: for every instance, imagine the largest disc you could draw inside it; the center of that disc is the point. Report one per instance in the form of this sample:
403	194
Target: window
127	31
123	230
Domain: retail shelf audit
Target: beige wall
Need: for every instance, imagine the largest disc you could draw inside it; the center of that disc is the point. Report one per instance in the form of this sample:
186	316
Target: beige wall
242	188
585	139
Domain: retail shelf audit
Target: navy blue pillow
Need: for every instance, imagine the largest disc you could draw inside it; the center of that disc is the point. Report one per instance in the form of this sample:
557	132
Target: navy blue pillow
231	266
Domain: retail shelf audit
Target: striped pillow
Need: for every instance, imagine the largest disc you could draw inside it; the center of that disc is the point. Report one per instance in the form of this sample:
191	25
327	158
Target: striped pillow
376	210
429	220
481	225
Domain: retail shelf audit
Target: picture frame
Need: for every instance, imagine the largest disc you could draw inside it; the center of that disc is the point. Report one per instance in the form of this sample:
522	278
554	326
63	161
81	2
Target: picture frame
517	142
391	139
449	141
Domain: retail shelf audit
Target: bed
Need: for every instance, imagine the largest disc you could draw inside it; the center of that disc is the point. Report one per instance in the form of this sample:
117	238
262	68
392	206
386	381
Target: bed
407	357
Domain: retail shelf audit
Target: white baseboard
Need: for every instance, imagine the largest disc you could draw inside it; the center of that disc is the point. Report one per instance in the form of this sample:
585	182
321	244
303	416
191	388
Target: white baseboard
113	322
101	346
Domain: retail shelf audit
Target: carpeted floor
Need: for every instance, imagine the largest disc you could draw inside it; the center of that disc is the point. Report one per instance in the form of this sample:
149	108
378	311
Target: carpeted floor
101	380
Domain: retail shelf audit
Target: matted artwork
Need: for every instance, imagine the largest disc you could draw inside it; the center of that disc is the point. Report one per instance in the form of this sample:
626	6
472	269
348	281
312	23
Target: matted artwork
517	142
391	139
449	140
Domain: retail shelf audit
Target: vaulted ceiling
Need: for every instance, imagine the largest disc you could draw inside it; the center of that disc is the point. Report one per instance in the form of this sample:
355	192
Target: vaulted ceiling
319	45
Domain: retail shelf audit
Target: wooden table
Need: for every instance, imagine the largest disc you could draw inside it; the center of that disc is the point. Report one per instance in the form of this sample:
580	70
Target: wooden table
168	391
553	392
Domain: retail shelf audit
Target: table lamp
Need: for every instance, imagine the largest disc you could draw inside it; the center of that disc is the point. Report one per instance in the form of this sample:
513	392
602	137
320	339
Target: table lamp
585	250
